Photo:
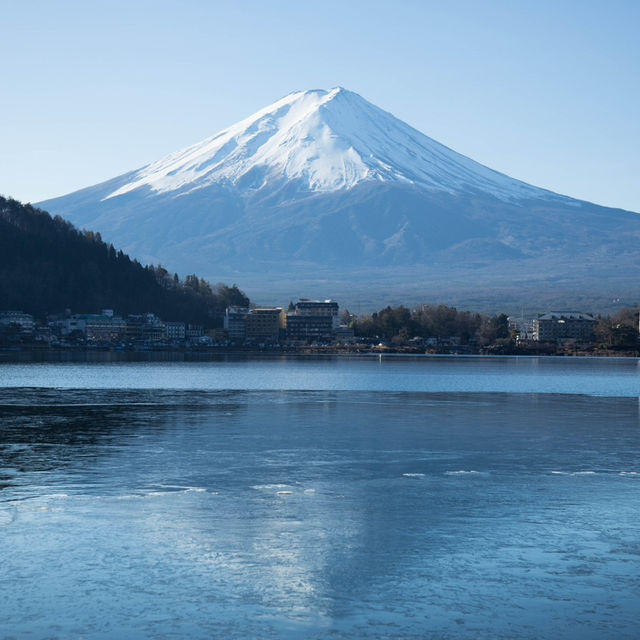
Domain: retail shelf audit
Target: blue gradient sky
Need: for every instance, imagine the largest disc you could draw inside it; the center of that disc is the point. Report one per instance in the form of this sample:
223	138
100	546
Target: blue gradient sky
547	92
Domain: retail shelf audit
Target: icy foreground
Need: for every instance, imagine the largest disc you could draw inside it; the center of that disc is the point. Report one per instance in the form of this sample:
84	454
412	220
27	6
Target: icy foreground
324	194
315	498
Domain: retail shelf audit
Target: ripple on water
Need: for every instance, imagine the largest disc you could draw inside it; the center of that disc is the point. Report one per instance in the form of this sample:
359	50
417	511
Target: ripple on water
465	472
269	487
574	473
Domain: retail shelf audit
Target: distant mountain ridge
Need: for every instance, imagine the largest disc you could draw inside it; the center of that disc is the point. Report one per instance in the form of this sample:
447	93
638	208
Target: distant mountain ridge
323	193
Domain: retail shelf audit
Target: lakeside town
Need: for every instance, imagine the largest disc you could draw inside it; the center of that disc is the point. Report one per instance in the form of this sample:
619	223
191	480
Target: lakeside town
319	326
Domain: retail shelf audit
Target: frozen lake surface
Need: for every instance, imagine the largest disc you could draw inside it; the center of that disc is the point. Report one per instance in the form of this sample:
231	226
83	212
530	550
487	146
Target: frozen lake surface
321	498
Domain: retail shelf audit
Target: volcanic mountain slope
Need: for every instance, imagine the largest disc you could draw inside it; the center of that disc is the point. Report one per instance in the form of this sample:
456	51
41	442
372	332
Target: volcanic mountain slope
323	193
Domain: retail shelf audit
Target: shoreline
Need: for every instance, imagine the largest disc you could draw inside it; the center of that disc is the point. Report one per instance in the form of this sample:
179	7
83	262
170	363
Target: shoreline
107	355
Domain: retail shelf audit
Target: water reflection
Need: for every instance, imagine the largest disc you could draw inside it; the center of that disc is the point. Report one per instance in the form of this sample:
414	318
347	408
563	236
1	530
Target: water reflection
589	376
67	434
281	514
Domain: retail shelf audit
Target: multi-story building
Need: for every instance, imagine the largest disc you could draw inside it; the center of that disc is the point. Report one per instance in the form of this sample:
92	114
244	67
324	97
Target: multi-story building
524	328
235	322
322	308
70	325
146	327
193	331
105	328
567	325
24	321
309	328
95	327
176	331
313	320
265	324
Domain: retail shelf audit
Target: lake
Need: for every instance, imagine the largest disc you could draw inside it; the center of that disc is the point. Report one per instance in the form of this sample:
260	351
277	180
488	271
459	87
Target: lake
321	497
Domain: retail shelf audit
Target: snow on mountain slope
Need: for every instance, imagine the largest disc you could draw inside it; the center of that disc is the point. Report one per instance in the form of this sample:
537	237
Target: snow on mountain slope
323	193
323	141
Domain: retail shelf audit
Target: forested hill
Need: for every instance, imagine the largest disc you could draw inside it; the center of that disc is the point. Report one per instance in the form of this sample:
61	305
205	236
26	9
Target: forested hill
47	266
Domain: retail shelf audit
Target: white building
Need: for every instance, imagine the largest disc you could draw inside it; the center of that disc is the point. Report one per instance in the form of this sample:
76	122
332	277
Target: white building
23	320
565	325
175	330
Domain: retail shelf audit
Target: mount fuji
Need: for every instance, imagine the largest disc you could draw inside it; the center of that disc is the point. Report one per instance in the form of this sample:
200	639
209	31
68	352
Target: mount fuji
324	194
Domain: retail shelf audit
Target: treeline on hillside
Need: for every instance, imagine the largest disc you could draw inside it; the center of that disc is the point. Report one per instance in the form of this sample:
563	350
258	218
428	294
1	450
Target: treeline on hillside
619	331
399	325
47	266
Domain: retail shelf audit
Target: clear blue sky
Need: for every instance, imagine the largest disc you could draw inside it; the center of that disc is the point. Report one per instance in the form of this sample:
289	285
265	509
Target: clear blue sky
545	91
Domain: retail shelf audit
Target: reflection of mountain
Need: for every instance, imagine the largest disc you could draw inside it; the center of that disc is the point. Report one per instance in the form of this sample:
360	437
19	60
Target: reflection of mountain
324	193
318	514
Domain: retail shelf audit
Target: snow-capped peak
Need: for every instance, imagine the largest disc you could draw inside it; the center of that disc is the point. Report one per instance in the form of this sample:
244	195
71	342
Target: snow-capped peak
323	141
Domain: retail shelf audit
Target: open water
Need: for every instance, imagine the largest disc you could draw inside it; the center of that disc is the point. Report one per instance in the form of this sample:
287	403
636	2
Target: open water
321	498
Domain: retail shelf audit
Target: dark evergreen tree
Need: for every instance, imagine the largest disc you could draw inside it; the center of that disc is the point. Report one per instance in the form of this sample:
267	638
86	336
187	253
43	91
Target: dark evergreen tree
47	266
